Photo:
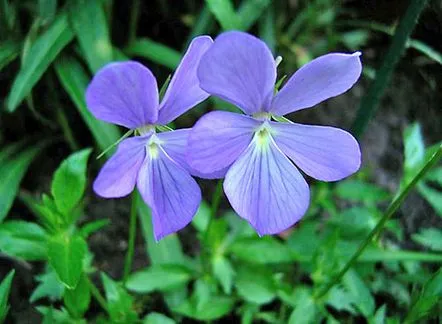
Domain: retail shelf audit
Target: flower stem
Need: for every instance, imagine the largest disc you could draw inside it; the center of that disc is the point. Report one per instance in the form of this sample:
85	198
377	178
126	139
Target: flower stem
96	293
132	235
397	201
133	22
371	99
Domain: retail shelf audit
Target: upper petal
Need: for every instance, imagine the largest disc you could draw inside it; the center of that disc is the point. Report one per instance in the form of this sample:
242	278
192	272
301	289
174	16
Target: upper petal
170	191
118	176
174	144
266	189
324	153
325	77
184	91
124	93
240	69
218	139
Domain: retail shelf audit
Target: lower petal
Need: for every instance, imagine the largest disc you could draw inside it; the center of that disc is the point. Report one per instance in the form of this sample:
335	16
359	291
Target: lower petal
169	190
324	153
218	139
266	189
118	176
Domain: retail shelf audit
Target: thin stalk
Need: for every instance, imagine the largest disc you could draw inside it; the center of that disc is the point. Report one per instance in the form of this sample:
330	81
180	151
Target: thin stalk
371	100
133	22
97	295
397	201
132	235
202	25
68	135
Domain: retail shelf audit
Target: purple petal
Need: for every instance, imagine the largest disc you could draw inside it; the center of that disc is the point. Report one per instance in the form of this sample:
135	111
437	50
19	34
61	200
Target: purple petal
125	94
170	191
174	144
118	176
266	189
324	153
184	91
325	77
240	69
218	139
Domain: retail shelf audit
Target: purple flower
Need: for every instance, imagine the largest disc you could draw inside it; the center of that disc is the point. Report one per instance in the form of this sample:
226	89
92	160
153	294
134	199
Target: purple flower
126	94
262	184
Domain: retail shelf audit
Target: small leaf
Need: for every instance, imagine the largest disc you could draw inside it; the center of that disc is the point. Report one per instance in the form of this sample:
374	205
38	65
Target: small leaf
215	308
356	190
155	52
49	287
5	287
69	182
77	300
379	316
66	255
223	271
414	149
429	237
92	227
41	54
201	219
74	80
158	277
90	26
433	197
305	311
255	285
364	301
12	170
120	303
157	318
23	240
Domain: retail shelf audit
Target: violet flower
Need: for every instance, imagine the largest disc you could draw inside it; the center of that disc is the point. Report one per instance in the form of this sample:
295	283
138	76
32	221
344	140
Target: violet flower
126	94
263	186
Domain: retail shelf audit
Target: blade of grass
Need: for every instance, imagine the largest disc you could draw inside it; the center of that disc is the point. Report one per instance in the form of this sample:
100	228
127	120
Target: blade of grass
9	50
224	13
250	10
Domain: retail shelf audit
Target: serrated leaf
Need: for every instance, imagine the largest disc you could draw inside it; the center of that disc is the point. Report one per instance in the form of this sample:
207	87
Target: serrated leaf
41	54
74	79
69	182
5	287
90	26
66	255
158	277
49	287
23	240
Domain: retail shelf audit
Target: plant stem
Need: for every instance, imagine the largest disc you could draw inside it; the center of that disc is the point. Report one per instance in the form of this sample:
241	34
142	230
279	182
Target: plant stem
397	201
371	99
97	295
133	22
132	235
68	135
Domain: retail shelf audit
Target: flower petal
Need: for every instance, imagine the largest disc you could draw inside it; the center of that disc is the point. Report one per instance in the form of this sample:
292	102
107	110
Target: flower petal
184	91
266	189
325	77
218	139
174	144
124	93
118	176
324	153
240	69
170	191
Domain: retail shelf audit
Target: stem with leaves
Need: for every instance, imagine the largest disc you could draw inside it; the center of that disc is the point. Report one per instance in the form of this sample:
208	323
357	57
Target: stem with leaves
397	201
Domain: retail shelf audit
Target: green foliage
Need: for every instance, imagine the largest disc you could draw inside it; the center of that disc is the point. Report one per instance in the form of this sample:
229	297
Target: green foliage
5	287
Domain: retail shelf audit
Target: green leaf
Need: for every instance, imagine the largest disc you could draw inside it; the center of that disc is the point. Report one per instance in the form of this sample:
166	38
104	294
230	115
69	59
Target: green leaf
55	316
77	300
255	285
214	308
250	11
414	151
356	221
158	277
429	237
202	217
23	240
5	287
379	316
305	311
90	26
66	255
265	250
12	170
47	10
433	197
341	300
157	318
356	190
304	240
92	227
155	52
224	272
69	182
9	50
75	80
120	303
224	12
49	287
363	299
41	54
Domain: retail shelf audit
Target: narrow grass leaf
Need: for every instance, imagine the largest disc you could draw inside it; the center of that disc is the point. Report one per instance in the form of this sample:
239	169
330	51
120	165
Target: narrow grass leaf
5	288
250	10
224	13
155	52
41	54
9	50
